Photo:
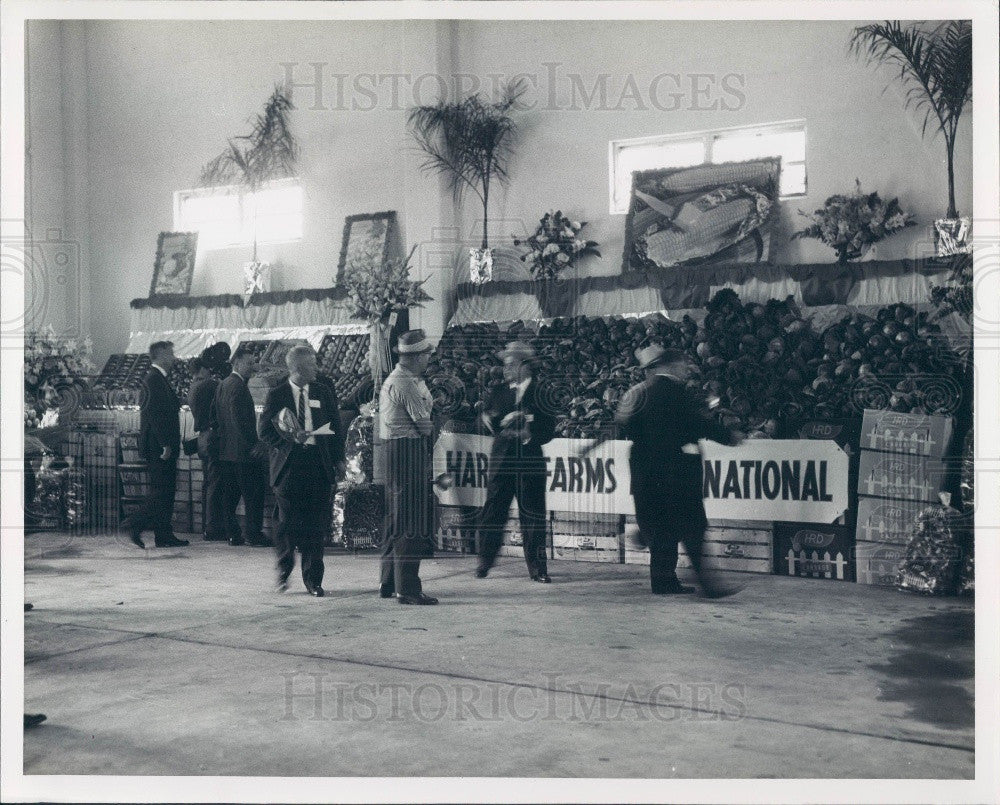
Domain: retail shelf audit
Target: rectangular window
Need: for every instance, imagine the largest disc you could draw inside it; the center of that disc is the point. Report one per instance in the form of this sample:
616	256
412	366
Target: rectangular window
786	140
224	218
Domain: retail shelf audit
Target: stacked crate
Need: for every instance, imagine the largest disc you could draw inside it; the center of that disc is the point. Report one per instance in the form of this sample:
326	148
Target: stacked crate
456	529
132	473
182	520
902	470
587	537
133	478
94	454
734	545
820	550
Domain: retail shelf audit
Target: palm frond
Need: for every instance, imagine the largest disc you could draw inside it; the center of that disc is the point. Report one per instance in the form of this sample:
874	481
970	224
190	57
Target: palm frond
469	142
267	153
935	65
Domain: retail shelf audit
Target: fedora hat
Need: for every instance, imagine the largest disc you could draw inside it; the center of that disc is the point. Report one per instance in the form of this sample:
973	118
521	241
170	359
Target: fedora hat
412	342
655	355
518	349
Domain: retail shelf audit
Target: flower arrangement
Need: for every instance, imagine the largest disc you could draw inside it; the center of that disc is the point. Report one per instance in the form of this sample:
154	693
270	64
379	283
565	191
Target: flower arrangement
377	290
53	369
851	224
555	244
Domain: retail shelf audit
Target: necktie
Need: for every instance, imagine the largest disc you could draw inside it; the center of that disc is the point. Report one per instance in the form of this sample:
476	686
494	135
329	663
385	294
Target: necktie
302	408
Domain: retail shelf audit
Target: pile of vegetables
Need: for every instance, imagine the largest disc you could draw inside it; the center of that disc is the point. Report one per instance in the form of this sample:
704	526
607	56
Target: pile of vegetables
765	362
897	360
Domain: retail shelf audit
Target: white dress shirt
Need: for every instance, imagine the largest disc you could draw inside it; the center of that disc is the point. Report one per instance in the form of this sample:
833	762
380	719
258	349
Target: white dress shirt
303	390
519	389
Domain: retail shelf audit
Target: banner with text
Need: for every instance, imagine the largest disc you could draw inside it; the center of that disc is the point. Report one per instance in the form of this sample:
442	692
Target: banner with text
797	480
800	480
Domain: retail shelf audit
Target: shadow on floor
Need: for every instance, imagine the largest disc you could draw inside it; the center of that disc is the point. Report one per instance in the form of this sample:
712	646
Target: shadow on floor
927	672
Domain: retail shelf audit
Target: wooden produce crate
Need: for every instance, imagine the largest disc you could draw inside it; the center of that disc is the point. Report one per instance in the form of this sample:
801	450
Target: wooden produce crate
814	550
587	548
732	545
878	562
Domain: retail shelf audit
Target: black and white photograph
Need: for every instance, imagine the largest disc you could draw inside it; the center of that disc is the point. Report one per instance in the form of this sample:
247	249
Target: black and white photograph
527	402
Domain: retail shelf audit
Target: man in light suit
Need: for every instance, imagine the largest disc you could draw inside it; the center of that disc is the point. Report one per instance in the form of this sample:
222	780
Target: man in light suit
240	455
520	423
159	443
303	468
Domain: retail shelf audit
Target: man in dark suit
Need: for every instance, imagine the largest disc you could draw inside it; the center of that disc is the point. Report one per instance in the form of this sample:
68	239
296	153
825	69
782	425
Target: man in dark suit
159	443
520	423
303	468
200	397
665	420
240	455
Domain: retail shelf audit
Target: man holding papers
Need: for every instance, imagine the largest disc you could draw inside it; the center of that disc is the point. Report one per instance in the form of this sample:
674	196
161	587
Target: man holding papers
304	465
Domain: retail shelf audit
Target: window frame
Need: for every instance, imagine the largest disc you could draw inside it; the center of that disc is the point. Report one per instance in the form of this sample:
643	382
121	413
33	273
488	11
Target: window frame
180	196
707	138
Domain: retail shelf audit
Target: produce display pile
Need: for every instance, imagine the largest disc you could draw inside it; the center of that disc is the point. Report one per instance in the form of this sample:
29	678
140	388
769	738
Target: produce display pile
765	362
120	382
344	358
255	348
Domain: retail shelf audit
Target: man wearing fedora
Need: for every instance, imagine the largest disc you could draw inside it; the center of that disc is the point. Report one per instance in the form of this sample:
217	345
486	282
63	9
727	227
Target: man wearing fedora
520	424
664	421
303	467
404	422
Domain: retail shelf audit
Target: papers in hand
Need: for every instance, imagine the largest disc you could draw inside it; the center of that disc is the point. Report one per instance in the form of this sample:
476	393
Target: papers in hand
287	423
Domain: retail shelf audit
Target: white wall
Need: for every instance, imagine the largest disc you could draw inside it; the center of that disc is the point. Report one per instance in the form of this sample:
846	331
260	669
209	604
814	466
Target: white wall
789	70
153	101
57	292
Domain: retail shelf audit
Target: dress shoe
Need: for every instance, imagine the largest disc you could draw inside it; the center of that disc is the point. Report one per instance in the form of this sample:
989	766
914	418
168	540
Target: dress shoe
315	589
416	599
28	607
281	585
541	577
173	542
234	541
673	589
386	592
33	719
482	572
136	539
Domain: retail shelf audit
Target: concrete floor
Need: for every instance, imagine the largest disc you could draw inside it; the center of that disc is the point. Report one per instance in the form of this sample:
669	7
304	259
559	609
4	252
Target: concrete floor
181	661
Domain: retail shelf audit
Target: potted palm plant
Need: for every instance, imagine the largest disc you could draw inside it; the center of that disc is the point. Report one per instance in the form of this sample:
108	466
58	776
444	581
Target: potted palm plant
470	143
935	65
249	162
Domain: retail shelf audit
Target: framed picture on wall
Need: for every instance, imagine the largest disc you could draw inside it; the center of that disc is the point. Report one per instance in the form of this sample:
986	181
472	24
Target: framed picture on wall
710	214
366	240
174	266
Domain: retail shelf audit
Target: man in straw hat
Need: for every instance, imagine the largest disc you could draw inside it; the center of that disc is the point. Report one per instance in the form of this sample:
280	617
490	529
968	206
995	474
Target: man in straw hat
664	421
404	421
520	422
